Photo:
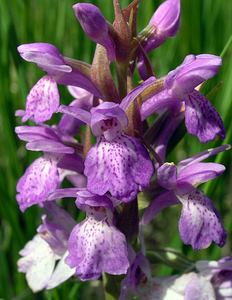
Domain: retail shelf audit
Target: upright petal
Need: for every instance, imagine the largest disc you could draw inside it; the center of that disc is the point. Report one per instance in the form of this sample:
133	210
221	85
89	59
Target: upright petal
63	70
202	156
38	262
202	119
108	119
42	101
194	70
199	222
198	173
45	55
122	167
96	246
40	179
95	26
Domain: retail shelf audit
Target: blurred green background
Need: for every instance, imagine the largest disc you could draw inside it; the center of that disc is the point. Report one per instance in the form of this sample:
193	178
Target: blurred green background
206	27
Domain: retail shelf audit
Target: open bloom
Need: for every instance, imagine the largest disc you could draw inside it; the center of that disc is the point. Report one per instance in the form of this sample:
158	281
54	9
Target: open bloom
45	174
199	222
96	245
201	118
118	163
43	258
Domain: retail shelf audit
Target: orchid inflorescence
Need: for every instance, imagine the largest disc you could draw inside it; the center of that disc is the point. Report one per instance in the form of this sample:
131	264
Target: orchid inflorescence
108	177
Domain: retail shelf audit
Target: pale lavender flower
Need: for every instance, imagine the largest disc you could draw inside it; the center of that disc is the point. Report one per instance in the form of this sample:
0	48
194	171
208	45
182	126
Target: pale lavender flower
199	222
42	101
118	163
201	118
43	258
44	175
220	275
96	245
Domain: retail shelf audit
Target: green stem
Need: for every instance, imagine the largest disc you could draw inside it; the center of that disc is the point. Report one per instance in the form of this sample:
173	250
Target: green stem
121	70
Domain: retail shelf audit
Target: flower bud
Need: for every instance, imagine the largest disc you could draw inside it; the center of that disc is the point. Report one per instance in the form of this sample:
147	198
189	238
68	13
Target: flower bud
163	24
95	26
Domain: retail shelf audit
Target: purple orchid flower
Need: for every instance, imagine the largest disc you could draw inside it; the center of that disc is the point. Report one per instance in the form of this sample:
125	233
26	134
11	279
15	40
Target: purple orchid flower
96	245
48	247
201	118
84	100
220	275
139	283
42	101
44	175
95	26
199	222
118	163
49	59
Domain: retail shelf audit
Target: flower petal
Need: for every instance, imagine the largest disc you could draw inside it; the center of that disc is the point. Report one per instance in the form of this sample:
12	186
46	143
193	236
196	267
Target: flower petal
167	176
202	119
194	70
38	262
125	103
199	222
202	156
61	273
34	133
160	202
49	146
121	167
42	101
96	246
198	173
40	179
158	102
75	112
63	70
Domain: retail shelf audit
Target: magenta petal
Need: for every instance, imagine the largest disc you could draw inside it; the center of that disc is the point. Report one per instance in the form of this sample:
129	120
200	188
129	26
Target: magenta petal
50	146
35	133
160	202
166	17
163	24
198	173
158	102
63	193
167	176
202	119
85	199
135	93
49	59
199	222
194	70
121	167
42	101
96	245
202	156
40	179
108	119
44	55
75	112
